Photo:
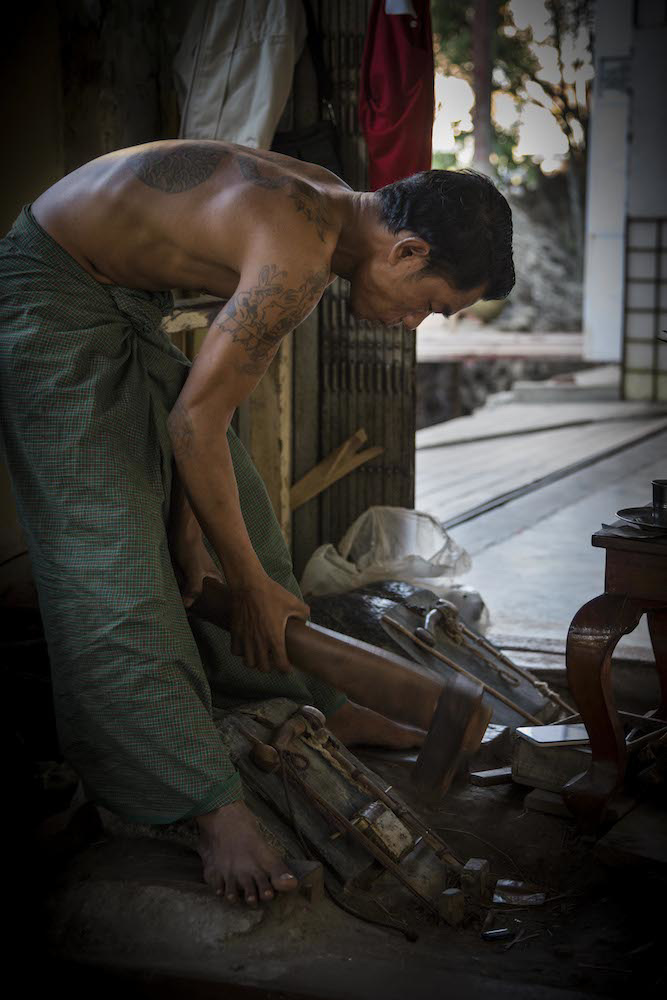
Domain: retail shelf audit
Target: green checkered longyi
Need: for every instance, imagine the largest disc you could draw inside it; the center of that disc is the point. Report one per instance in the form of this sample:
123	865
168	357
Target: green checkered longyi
87	380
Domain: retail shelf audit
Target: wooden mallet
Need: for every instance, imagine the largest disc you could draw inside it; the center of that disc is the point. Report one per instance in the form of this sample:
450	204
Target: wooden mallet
451	711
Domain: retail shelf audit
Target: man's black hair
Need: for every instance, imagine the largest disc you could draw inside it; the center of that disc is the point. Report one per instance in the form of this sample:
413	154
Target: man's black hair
464	219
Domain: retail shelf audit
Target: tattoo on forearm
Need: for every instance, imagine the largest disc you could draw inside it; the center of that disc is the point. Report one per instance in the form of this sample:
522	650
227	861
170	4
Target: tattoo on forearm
176	169
259	317
181	431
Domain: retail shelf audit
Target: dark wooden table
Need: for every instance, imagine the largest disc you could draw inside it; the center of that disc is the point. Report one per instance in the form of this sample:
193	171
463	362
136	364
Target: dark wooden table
635	584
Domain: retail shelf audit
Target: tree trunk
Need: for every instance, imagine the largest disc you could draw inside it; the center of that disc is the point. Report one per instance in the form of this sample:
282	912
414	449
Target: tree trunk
482	49
576	207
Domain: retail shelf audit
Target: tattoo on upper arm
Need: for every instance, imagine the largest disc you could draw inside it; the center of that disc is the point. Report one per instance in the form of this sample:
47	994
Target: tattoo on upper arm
177	168
181	431
259	317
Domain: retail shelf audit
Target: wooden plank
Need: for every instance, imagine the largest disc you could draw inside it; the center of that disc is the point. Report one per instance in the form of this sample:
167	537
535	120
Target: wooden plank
641	463
270	427
457	479
305	436
439	339
339	463
512	418
532	456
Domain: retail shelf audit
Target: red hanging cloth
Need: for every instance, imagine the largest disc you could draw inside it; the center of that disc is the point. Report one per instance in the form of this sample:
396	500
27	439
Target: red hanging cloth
396	94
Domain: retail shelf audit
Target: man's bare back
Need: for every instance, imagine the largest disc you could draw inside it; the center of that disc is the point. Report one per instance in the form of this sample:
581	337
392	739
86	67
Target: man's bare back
119	218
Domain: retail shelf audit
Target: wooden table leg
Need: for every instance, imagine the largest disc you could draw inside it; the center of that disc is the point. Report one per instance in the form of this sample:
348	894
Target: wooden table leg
595	630
657	626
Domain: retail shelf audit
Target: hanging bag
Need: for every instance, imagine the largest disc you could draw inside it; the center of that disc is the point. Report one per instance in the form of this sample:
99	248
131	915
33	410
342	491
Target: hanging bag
316	143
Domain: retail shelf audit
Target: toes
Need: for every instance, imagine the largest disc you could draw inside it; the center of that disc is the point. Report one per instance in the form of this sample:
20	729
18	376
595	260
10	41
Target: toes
249	889
263	886
282	879
231	890
213	877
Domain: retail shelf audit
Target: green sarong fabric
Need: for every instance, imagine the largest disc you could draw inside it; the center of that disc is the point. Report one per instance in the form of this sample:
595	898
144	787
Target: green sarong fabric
87	380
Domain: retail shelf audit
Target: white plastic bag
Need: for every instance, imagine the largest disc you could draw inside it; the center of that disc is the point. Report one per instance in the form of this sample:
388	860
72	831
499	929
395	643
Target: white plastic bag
386	543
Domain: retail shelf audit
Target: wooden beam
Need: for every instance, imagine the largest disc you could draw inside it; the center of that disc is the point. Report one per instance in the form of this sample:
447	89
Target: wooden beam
339	463
270	433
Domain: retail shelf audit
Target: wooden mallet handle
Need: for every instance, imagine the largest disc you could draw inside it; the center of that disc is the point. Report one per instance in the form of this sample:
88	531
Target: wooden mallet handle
370	676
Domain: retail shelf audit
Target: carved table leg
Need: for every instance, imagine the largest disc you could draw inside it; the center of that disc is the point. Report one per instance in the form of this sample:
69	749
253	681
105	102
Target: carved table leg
657	626
595	630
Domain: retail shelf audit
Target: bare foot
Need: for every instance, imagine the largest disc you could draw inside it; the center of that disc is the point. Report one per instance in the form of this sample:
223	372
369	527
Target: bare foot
354	725
238	862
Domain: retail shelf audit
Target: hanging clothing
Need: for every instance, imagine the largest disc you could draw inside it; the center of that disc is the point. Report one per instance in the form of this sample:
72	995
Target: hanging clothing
87	382
396	98
235	66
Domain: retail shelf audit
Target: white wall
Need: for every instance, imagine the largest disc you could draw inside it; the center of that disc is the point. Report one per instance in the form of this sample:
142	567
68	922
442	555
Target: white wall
607	182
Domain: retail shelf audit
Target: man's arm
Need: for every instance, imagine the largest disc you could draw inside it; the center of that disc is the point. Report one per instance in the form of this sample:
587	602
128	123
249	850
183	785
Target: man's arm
270	301
190	556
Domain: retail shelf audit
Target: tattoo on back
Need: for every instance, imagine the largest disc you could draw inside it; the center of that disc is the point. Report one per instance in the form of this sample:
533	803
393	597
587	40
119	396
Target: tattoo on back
176	169
258	318
181	168
307	200
250	171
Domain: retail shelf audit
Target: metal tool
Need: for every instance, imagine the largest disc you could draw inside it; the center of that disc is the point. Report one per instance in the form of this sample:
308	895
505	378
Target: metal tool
453	734
414	638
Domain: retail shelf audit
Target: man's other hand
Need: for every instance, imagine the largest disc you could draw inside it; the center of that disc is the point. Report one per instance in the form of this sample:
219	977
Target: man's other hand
260	611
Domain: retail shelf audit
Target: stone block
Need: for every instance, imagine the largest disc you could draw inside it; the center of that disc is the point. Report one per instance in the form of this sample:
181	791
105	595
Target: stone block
451	906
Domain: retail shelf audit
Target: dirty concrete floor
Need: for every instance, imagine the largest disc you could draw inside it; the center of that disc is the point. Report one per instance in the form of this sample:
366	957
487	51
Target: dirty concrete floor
129	912
135	919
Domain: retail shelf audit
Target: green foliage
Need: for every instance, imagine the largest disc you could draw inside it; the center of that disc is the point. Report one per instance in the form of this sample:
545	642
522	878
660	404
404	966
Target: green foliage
444	161
514	65
513	60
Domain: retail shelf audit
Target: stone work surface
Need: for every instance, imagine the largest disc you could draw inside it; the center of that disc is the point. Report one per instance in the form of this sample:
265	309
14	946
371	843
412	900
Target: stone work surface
141	898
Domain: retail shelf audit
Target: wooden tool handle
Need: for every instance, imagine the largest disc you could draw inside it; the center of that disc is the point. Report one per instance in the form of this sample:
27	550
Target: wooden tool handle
371	676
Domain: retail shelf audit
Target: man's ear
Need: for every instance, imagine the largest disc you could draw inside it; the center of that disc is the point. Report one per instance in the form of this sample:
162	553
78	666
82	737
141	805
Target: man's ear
407	247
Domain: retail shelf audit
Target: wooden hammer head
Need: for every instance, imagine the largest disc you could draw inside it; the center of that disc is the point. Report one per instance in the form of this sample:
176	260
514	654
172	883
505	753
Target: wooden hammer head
457	729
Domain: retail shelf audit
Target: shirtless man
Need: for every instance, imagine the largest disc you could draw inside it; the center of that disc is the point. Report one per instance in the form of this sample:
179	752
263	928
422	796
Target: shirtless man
268	234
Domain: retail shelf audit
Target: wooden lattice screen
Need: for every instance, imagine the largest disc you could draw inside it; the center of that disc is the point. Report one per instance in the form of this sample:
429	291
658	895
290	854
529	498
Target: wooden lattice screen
645	314
365	373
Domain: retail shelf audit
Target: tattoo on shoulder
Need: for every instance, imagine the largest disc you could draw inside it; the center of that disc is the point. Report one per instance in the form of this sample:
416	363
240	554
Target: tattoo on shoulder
250	172
259	317
311	203
177	168
306	199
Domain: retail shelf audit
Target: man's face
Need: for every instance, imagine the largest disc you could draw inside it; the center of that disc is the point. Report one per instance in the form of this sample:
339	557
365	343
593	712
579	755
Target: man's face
389	288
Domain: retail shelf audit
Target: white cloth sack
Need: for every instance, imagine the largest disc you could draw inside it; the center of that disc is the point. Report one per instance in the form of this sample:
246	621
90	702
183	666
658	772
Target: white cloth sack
235	66
386	543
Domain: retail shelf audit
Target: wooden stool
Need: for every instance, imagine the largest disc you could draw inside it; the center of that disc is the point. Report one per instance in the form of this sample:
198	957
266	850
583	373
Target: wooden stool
635	584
